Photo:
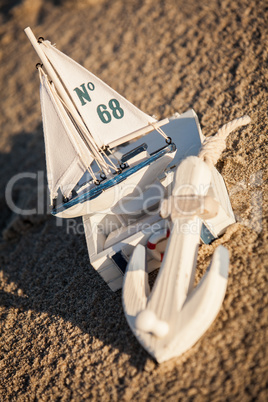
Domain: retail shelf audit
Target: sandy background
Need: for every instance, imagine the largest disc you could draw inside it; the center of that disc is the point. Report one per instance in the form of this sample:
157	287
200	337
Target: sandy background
63	332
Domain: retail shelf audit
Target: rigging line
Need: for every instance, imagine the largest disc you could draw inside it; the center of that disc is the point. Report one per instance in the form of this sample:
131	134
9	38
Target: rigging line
159	130
117	159
113	165
92	174
109	159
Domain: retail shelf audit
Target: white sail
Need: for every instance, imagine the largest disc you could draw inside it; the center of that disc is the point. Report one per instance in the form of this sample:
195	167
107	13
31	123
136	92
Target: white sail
107	115
66	155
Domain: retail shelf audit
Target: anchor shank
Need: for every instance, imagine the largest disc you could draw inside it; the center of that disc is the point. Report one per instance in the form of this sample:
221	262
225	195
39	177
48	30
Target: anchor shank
175	278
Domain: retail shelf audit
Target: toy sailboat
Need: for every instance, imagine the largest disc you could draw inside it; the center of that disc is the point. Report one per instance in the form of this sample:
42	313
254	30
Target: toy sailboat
115	166
89	121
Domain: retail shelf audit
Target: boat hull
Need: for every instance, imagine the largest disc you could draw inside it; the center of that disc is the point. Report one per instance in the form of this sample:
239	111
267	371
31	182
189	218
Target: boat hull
130	183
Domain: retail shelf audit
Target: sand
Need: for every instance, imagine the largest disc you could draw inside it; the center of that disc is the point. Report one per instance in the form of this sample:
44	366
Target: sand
63	332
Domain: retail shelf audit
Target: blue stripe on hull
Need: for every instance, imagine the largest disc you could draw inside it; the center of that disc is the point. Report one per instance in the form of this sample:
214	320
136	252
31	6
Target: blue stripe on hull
95	192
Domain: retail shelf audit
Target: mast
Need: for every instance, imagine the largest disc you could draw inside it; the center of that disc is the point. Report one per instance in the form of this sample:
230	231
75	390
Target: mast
62	92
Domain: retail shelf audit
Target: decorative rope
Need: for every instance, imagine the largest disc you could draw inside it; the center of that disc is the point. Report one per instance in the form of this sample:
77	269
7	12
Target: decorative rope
213	147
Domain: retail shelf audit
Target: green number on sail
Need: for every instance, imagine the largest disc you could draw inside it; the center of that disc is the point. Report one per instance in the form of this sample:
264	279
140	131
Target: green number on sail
114	105
104	115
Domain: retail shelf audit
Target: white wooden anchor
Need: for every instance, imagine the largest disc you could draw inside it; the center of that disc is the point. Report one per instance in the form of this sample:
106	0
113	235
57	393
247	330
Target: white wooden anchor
171	318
